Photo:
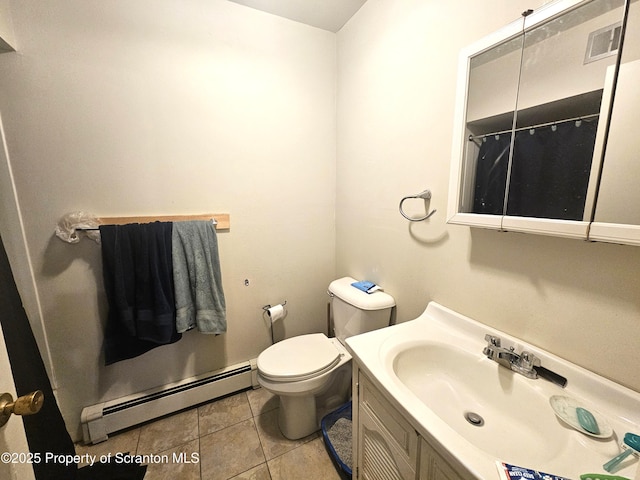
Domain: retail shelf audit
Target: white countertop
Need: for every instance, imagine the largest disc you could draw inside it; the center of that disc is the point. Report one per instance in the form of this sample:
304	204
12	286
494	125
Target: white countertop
578	453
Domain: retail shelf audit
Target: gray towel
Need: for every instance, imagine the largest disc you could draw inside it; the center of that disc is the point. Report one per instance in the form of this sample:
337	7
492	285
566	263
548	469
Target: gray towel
197	281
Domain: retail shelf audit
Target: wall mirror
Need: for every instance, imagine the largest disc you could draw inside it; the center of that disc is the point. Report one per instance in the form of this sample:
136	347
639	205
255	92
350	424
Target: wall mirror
492	98
531	119
617	213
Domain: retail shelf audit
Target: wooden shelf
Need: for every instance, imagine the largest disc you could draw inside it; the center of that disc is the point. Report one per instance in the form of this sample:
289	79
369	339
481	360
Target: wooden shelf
223	220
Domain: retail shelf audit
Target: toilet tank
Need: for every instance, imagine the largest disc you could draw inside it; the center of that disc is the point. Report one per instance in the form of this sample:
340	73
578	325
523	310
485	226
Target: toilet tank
354	311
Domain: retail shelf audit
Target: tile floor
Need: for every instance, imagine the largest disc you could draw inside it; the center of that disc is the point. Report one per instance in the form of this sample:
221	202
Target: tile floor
236	437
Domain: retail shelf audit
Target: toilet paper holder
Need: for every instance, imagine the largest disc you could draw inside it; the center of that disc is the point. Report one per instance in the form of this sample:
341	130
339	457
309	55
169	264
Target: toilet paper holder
267	307
279	314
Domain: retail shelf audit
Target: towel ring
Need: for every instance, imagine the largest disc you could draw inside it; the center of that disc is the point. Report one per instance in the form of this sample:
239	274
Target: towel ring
425	195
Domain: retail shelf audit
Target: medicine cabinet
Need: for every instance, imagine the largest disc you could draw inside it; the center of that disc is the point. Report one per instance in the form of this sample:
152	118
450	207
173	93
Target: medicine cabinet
617	213
532	114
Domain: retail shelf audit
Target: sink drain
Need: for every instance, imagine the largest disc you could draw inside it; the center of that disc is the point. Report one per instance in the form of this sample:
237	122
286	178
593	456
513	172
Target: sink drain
474	419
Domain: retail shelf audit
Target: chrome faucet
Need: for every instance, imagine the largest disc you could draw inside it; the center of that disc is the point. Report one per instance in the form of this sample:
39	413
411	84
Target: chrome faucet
521	363
524	363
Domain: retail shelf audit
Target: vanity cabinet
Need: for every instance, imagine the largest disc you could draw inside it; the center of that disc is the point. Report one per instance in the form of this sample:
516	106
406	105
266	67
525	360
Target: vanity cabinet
386	445
433	466
532	135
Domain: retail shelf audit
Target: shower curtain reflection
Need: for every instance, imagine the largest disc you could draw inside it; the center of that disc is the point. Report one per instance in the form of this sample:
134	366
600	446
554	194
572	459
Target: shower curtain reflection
550	170
491	174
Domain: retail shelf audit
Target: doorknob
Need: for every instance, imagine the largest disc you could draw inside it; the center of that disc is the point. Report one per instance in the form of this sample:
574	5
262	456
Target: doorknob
24	405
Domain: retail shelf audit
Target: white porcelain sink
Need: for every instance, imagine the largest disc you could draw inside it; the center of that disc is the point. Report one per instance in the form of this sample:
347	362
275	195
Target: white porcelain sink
455	384
434	372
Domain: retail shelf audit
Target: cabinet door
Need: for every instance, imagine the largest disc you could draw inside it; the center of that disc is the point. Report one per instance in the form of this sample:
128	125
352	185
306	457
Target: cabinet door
487	94
400	430
387	444
617	215
379	457
433	466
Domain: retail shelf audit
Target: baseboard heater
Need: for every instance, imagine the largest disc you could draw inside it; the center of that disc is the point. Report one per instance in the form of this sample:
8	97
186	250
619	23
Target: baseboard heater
98	421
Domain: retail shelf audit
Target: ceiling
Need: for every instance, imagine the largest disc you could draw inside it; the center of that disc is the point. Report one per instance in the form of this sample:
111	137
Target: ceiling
326	14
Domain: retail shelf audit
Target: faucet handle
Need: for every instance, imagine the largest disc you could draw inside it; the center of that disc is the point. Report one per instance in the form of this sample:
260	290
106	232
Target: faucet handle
492	342
525	365
528	360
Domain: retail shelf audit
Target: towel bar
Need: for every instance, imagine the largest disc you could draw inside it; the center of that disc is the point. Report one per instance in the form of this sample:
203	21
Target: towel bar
85	222
220	220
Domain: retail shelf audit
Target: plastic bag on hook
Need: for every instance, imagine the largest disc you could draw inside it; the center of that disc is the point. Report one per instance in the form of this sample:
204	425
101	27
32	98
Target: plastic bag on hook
69	225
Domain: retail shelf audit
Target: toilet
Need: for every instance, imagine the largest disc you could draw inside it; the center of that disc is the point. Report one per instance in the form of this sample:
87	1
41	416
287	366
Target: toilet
311	374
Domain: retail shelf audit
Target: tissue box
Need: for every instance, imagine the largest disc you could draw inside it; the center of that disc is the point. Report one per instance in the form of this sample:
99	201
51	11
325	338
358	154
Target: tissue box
512	472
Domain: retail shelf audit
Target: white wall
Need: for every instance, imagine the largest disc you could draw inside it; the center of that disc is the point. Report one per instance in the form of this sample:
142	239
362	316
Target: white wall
167	107
396	93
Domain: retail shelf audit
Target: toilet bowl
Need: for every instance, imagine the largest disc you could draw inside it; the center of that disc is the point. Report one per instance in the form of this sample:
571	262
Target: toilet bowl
311	374
301	371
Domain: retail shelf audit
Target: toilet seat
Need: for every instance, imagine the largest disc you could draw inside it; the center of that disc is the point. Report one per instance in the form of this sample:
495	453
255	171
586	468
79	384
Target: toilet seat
298	358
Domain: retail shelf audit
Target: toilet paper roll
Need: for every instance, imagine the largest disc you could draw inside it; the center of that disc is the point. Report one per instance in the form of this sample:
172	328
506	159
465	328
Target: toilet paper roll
276	313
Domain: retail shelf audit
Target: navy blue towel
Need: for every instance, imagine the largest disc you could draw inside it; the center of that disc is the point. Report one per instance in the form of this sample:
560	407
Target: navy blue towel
138	281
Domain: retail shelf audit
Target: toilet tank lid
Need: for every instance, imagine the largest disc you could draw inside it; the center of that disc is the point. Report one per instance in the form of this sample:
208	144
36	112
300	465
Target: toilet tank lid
377	300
